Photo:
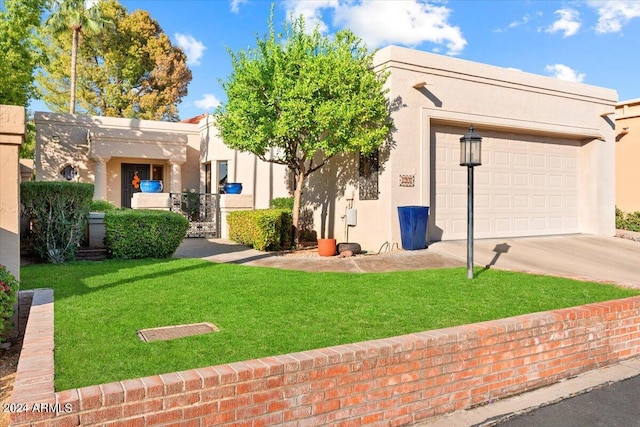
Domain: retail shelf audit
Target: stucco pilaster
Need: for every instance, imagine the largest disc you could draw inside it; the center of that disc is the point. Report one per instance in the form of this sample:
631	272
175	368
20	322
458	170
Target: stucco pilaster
12	133
100	180
176	176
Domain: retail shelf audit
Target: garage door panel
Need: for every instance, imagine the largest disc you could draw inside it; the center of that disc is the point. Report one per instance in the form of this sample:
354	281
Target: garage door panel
525	186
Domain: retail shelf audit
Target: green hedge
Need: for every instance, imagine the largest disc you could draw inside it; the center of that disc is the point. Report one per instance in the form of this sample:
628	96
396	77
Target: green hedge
58	213
8	295
134	234
262	229
282	203
102	206
627	220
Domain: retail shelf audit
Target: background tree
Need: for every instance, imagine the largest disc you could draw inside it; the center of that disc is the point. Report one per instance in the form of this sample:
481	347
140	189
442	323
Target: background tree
20	51
73	16
130	70
306	96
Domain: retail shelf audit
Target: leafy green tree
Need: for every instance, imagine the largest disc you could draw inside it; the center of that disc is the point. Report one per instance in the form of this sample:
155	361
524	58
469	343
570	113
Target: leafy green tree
130	70
73	16
304	98
19	50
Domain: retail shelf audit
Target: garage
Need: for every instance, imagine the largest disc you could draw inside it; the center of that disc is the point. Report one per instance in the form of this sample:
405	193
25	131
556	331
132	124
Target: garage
526	186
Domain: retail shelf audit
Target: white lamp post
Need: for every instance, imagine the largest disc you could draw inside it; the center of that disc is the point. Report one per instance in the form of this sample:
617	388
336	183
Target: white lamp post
470	156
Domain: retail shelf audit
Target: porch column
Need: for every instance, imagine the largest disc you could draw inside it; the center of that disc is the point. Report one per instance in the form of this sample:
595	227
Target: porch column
176	177
100	178
12	134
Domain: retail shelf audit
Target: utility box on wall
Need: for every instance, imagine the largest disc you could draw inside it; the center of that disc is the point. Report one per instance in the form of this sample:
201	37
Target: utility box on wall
352	217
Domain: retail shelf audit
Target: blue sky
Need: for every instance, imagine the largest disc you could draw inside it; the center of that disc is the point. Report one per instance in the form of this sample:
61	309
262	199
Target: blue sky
593	42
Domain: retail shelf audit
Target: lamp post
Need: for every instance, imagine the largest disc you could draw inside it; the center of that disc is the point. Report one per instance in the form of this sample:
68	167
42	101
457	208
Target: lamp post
470	150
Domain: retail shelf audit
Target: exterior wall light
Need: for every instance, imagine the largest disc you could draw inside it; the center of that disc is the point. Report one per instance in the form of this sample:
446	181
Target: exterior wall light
470	156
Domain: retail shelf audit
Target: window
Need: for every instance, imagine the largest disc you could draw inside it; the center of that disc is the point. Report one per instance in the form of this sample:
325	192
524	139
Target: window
222	175
207	178
368	181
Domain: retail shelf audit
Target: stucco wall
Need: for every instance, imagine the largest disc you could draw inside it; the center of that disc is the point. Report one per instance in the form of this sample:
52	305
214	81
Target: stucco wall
82	141
627	155
263	180
12	132
461	93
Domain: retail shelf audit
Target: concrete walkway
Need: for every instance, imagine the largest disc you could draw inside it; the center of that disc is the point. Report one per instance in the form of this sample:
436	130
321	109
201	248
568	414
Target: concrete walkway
220	250
581	256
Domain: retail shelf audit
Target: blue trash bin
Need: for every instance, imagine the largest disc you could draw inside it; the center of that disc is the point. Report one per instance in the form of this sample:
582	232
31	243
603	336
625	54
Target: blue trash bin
413	226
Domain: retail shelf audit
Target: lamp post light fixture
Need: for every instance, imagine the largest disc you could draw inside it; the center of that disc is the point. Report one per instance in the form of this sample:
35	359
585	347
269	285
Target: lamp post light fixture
470	156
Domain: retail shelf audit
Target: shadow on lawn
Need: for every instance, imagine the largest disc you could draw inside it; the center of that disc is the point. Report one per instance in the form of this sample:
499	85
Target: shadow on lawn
76	286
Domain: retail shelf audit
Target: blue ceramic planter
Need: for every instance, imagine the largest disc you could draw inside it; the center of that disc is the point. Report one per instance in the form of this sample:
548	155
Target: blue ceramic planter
233	188
151	186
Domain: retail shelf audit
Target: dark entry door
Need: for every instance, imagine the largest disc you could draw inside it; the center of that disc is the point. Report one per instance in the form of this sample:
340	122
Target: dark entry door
131	176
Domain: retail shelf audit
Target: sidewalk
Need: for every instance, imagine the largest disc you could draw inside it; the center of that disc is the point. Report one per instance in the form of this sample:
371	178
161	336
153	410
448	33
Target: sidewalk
496	413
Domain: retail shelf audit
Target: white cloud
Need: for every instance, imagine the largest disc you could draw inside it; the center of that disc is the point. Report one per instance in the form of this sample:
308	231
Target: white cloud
194	49
312	12
409	22
235	5
568	23
525	19
614	14
563	72
208	101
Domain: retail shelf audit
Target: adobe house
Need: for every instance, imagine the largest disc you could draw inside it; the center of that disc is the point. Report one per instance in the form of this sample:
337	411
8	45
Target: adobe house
548	156
12	134
627	155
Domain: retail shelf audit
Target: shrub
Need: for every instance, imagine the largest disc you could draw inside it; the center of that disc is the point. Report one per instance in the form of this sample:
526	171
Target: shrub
282	203
58	214
134	234
102	206
627	221
8	296
262	229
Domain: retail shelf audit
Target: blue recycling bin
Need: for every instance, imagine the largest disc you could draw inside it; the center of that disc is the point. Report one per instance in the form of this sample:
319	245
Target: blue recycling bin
413	226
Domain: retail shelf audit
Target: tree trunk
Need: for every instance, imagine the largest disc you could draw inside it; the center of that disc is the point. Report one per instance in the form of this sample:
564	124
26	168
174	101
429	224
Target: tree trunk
297	196
74	59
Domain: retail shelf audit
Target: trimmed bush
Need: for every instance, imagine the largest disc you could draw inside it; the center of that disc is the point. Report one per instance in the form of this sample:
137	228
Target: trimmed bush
135	234
8	295
102	206
282	203
627	221
261	229
58	214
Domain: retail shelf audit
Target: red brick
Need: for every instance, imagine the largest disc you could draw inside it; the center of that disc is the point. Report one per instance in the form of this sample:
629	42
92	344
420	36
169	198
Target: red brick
132	422
164	417
201	410
153	386
133	390
112	394
173	383
186	399
101	415
191	380
90	397
141	407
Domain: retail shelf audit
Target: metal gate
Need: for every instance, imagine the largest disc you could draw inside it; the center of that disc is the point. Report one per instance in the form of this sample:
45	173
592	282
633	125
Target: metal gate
202	211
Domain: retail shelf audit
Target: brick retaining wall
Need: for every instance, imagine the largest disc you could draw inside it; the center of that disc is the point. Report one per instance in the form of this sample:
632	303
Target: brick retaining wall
392	381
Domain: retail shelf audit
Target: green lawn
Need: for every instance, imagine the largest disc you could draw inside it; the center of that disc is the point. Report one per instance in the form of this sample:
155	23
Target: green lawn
260	311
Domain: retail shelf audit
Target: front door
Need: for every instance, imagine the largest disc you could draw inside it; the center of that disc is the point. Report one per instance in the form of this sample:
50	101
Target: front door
131	176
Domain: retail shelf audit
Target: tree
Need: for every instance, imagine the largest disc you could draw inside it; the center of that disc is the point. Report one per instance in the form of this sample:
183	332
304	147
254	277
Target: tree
73	15
19	50
306	96
130	70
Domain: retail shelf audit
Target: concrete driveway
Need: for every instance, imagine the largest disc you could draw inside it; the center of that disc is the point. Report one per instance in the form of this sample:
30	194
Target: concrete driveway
602	259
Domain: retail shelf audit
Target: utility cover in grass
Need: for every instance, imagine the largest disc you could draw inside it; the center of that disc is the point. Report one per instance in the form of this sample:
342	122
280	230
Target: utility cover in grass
178	331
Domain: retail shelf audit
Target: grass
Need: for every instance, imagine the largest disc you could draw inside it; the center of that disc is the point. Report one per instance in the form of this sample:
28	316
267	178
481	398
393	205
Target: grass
261	312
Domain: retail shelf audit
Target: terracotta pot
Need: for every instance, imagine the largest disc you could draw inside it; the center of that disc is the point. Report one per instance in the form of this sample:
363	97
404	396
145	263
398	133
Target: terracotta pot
326	247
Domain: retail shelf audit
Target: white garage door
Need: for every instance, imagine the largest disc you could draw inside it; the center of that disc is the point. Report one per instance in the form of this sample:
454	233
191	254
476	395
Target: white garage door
526	186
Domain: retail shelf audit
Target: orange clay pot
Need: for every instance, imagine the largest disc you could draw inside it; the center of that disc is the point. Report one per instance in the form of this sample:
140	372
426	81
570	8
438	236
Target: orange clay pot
326	247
